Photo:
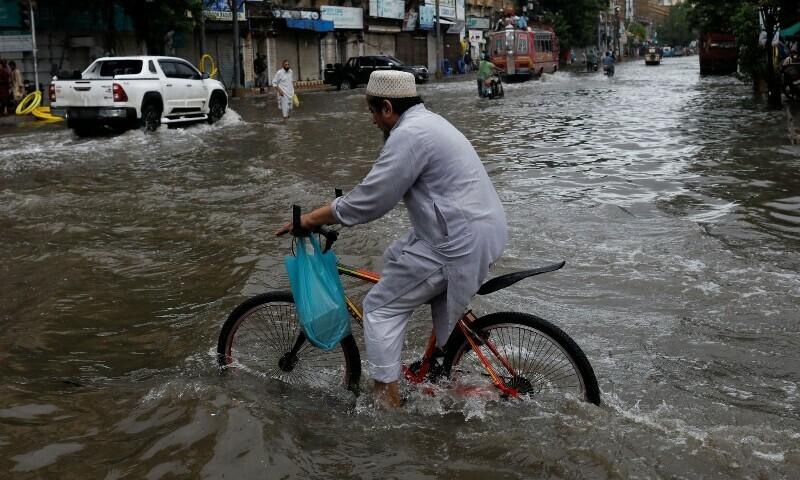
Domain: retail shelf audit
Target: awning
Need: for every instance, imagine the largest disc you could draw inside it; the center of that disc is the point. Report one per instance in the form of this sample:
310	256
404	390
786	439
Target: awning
444	21
791	31
314	25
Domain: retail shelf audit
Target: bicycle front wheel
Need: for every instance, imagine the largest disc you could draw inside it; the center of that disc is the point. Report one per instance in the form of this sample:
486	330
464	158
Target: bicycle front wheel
262	336
543	358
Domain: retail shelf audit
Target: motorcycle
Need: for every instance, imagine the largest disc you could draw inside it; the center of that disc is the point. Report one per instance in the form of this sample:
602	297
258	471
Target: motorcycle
790	79
608	70
591	66
493	88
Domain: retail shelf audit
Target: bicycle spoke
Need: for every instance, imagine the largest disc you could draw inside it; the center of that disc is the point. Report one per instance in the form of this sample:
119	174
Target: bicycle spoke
539	362
264	335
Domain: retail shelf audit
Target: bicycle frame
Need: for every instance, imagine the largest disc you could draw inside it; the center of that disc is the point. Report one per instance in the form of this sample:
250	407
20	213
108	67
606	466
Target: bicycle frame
475	341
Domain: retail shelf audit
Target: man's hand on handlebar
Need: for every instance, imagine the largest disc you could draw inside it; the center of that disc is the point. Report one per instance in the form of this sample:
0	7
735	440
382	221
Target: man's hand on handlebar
310	221
288	227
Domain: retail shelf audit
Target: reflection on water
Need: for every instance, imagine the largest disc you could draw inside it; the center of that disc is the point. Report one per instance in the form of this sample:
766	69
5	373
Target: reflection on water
673	199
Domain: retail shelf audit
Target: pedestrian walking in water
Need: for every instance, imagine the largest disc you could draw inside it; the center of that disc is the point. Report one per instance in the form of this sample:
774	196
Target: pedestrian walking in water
17	85
283	81
260	67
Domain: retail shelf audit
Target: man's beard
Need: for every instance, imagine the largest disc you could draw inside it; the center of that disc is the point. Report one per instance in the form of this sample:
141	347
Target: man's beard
386	135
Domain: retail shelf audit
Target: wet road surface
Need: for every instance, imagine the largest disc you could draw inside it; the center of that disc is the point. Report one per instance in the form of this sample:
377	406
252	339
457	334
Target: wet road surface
674	199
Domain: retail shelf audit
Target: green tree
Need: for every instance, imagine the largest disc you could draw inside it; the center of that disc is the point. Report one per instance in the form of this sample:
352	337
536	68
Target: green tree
575	21
712	15
638	30
152	20
675	29
741	17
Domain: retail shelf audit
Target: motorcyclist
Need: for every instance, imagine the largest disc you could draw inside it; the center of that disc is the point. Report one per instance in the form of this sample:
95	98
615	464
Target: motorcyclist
792	58
485	70
608	63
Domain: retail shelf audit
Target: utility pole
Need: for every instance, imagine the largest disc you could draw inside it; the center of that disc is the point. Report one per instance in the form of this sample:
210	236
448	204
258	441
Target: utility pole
202	32
35	51
236	67
438	43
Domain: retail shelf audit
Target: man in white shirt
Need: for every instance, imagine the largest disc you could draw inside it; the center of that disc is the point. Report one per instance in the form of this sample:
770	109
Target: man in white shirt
459	225
283	83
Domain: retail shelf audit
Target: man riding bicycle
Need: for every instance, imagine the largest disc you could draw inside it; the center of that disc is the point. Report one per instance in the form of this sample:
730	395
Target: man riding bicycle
459	226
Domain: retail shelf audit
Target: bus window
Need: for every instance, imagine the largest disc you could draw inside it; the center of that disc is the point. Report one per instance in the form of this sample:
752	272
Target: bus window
499	44
522	44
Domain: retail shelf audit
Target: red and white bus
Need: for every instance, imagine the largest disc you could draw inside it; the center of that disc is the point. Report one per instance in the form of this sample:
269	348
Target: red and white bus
524	54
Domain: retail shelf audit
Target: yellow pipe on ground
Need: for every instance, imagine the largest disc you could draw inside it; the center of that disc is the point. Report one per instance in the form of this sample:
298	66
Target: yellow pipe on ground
43	113
29	103
213	65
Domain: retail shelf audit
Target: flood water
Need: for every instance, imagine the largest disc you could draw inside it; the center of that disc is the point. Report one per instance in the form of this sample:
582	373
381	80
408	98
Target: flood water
674	199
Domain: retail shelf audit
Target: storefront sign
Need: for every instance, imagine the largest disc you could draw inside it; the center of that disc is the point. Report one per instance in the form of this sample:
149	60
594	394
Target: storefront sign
343	17
478	23
476	36
383	29
16	43
426	13
456	27
387	9
449	8
220	10
296	14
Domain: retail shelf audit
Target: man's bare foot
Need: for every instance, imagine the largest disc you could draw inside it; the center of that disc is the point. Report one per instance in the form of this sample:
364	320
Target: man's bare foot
387	395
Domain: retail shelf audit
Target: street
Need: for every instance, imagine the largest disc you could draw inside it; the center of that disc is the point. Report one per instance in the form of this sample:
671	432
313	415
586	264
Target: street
673	199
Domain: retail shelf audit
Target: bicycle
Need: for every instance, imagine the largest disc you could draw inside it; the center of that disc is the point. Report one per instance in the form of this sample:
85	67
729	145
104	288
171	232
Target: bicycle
520	354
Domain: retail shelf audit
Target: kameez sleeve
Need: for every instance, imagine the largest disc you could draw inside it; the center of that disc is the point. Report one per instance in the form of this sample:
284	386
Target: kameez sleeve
393	173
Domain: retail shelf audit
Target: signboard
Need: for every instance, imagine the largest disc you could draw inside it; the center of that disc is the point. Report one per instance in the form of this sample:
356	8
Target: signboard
447	8
478	23
296	14
16	43
426	13
410	23
220	10
460	9
343	17
9	14
476	36
456	27
387	9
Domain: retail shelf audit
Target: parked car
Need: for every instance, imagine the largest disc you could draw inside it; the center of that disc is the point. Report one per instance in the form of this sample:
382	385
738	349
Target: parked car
141	91
358	69
666	52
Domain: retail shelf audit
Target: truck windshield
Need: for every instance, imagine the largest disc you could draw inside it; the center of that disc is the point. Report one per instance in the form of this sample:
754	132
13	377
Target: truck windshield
111	68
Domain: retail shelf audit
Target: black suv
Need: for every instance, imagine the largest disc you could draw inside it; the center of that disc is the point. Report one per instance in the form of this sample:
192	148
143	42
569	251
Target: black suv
358	69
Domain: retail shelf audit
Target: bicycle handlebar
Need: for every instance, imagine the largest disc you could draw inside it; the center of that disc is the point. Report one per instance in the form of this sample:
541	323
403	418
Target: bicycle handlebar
298	231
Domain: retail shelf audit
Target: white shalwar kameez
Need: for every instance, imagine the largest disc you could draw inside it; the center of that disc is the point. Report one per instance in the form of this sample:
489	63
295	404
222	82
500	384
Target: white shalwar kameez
459	230
284	80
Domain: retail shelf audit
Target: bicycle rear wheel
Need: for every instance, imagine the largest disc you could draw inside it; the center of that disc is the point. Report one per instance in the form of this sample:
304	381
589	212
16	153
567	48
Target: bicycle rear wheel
260	334
545	359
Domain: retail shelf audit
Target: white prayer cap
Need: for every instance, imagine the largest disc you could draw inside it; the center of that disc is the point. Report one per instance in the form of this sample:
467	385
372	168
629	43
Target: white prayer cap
391	84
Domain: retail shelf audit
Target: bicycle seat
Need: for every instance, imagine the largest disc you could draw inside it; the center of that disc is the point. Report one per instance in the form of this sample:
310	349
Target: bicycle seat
503	281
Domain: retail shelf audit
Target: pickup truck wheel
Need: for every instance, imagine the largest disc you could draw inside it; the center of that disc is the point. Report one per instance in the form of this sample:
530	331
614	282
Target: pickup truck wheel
151	117
216	109
82	128
347	84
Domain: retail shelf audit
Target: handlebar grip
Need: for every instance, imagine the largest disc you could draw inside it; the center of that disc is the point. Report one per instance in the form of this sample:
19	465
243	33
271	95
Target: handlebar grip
338	192
297	230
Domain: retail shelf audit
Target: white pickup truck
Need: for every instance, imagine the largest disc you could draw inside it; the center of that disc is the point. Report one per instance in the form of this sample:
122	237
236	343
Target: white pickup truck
142	91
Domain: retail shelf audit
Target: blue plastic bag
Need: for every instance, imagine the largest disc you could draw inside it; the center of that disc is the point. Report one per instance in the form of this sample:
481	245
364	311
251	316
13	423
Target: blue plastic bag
318	294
